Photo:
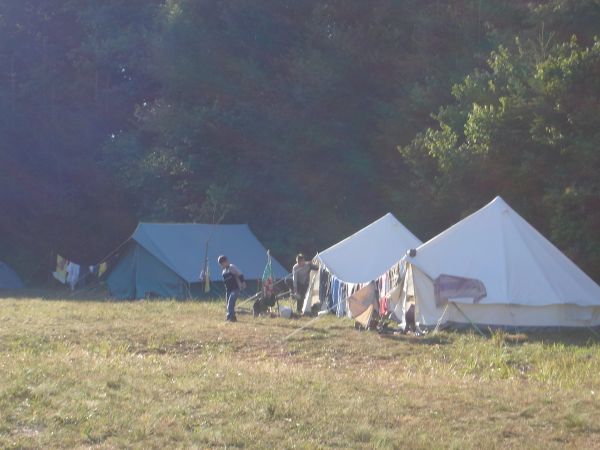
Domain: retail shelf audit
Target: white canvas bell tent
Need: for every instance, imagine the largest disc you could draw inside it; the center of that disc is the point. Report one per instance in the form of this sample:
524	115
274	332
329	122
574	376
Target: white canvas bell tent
364	256
371	251
502	272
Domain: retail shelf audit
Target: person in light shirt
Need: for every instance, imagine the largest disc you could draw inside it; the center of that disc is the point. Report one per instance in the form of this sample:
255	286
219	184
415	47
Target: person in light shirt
300	278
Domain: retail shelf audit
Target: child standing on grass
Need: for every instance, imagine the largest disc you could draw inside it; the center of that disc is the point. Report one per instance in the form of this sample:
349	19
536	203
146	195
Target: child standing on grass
234	283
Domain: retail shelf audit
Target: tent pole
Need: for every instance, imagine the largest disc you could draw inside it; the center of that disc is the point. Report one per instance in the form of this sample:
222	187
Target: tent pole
255	296
117	249
439	322
472	324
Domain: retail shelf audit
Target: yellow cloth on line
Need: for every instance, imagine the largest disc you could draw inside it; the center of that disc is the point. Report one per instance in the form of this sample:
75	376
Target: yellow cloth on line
102	268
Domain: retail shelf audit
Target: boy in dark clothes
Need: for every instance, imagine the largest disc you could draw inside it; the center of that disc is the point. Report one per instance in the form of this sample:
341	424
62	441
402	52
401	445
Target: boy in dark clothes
234	283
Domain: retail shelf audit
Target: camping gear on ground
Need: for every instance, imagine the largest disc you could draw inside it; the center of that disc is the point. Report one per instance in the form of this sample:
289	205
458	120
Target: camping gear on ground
506	274
165	260
285	312
357	260
270	302
8	278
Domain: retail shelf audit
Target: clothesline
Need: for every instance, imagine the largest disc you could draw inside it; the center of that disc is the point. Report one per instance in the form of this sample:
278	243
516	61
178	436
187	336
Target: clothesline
71	273
333	291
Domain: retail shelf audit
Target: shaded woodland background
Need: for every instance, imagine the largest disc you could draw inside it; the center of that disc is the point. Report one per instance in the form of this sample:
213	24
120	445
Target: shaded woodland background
305	119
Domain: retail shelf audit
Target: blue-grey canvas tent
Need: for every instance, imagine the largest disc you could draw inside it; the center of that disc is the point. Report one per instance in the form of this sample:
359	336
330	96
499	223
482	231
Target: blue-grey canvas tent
9	278
166	260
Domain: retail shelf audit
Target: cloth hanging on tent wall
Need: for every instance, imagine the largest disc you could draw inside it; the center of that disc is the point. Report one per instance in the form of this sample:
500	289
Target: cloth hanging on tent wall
205	277
207	280
311	297
450	286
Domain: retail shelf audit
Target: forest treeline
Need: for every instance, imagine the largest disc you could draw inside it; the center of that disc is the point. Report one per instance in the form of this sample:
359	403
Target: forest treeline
305	119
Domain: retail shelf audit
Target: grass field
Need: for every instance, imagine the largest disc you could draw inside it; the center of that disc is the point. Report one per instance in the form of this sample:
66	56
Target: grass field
95	374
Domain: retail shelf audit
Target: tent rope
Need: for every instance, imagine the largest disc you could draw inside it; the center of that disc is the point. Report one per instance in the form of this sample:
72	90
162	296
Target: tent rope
310	322
255	296
469	320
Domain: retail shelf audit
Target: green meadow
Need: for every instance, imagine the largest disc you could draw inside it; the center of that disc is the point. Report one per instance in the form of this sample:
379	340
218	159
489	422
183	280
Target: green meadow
160	374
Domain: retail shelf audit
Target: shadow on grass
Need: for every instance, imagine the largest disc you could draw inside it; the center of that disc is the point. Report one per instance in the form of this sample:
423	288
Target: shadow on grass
576	337
96	293
289	325
430	339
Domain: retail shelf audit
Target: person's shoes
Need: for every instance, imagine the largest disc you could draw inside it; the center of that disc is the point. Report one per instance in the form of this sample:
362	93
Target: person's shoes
233	319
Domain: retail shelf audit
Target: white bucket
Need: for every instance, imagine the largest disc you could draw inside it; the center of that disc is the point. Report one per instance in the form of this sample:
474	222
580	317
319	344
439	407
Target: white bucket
285	312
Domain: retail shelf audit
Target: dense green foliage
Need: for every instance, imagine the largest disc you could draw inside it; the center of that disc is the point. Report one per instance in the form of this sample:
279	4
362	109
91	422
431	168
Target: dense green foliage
527	127
289	116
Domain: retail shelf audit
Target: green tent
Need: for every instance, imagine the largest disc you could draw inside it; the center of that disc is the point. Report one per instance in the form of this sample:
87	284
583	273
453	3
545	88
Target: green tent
166	260
8	278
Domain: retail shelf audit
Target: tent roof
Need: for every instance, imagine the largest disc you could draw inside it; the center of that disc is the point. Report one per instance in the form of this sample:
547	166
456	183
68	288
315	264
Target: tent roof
515	262
9	278
370	252
182	248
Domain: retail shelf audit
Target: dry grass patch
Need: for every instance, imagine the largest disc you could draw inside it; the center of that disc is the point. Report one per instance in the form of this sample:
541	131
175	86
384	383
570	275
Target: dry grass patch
168	374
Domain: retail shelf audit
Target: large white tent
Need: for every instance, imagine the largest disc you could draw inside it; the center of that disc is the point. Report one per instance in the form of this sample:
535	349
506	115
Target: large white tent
370	252
362	257
508	274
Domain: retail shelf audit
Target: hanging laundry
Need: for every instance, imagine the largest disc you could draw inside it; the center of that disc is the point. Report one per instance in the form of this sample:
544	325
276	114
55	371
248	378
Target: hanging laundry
393	299
335	283
72	274
101	269
383	306
350	289
382	282
325	289
341	304
61	269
